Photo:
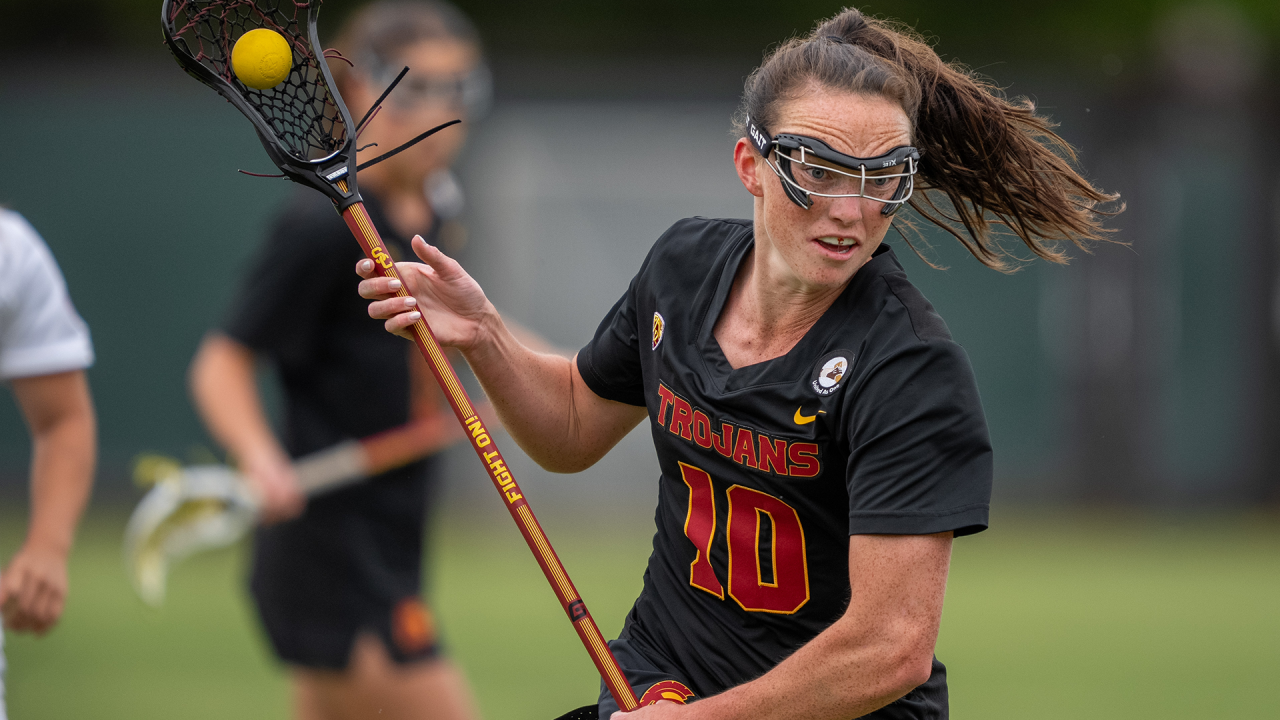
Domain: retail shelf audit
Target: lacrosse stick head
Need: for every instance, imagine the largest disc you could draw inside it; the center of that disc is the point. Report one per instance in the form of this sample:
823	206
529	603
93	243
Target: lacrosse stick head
302	122
188	509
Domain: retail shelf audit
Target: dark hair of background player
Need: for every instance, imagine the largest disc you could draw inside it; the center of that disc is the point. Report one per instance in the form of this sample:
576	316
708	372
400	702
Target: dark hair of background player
995	160
376	33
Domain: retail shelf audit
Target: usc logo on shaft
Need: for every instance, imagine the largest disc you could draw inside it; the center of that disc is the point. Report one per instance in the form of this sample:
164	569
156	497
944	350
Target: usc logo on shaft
381	257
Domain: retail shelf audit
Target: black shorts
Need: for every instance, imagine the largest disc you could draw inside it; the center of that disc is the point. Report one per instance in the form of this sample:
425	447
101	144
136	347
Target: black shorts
351	564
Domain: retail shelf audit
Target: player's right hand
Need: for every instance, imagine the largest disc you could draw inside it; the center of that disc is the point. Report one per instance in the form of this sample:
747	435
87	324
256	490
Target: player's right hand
273	482
456	307
33	589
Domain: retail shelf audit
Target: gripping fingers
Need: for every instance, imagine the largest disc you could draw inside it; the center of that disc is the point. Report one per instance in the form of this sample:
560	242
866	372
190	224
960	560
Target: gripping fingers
399	312
375	287
392	307
399	324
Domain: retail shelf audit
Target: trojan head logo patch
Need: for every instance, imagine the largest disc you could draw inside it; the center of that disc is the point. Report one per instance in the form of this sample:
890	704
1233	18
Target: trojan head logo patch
659	325
672	690
831	372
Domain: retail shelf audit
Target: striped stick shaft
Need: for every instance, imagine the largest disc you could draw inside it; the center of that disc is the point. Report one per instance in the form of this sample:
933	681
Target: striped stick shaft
361	226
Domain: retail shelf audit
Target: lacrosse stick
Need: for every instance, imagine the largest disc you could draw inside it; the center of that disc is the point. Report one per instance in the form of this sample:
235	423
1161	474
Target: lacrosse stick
201	507
308	133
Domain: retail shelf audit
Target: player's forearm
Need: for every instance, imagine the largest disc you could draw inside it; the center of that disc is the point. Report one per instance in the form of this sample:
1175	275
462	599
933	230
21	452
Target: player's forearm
879	650
62	465
533	394
224	388
836	676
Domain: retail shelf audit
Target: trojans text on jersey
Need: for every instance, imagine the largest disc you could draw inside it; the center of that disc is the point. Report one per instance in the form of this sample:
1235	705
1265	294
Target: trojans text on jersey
780	456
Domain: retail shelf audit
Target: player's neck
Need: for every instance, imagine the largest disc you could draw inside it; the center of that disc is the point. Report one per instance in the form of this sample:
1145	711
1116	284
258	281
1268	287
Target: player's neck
762	318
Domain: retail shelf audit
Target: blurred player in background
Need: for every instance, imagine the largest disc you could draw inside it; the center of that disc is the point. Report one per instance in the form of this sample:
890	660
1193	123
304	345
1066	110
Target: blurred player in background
337	579
44	350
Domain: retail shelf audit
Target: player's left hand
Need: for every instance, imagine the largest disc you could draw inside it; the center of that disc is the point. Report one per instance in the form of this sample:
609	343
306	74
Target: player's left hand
657	711
33	589
456	307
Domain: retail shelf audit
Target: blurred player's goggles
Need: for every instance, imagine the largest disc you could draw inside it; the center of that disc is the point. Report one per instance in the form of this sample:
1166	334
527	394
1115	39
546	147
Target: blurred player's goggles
471	91
808	167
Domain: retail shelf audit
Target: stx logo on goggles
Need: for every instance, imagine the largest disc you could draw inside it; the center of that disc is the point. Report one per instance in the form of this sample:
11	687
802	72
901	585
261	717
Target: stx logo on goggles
757	451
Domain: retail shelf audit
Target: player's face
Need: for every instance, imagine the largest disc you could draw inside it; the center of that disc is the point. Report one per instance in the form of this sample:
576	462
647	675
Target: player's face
428	96
822	247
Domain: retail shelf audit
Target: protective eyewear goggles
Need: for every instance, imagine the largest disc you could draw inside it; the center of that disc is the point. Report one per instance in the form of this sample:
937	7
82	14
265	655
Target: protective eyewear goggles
808	167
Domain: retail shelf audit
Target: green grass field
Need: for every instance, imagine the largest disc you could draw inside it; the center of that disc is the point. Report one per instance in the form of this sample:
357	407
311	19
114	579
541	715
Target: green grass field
1048	616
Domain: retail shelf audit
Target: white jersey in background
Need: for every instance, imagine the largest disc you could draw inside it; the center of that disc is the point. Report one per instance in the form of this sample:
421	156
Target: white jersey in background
40	331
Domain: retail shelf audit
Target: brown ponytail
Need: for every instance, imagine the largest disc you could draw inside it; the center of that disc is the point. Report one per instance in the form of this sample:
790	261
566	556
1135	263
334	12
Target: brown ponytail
995	160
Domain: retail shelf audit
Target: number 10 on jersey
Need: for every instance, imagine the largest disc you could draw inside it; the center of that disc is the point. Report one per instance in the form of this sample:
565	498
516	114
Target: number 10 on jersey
751	512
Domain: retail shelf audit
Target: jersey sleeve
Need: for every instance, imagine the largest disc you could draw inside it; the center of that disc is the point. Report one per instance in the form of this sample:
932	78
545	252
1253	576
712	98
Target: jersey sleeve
610	363
40	331
920	454
277	307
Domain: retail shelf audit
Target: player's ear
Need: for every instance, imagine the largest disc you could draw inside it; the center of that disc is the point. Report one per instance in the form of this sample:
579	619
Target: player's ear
748	164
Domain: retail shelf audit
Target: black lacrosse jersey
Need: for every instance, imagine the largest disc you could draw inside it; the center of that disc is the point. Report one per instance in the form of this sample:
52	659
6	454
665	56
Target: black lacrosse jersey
342	374
871	424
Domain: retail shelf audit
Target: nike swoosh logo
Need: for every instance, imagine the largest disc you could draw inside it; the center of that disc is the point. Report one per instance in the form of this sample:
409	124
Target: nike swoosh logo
806	419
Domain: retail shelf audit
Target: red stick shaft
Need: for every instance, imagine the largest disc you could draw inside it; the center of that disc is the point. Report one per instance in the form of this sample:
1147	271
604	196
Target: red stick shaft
357	219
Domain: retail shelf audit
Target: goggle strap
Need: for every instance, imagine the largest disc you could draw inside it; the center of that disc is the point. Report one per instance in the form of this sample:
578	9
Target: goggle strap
760	137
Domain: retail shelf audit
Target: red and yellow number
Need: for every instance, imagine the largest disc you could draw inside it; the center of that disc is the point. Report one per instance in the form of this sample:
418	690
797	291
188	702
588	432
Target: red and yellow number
788	589
700	528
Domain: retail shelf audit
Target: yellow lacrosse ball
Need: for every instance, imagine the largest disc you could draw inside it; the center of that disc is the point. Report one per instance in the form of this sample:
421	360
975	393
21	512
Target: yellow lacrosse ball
261	58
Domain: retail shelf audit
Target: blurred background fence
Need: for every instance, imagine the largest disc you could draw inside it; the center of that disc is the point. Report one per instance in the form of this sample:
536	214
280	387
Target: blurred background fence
1145	373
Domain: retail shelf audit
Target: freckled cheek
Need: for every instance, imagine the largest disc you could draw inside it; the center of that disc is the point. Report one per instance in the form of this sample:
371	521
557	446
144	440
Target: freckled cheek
787	223
876	225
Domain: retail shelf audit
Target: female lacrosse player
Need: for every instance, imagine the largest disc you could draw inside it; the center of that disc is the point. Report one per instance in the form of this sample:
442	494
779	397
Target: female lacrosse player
337	586
820	435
